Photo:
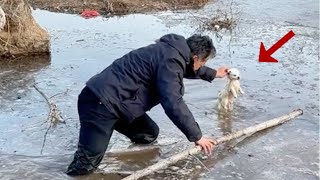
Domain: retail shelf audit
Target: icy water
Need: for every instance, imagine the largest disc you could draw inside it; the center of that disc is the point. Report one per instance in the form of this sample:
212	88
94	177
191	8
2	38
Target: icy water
83	47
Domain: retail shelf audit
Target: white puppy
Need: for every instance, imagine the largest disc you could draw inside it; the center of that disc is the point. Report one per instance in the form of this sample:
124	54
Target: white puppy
231	91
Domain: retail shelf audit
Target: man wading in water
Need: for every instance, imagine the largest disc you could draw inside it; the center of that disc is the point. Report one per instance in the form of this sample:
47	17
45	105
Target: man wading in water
119	96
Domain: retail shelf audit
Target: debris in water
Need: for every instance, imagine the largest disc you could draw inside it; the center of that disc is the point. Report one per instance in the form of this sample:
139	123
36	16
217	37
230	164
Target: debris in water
174	168
89	13
54	116
204	157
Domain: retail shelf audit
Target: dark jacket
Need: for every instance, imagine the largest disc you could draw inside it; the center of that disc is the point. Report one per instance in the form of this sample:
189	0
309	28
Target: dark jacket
150	75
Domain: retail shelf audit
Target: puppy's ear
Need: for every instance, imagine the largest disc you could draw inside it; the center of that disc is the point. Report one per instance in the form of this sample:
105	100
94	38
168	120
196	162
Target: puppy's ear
228	71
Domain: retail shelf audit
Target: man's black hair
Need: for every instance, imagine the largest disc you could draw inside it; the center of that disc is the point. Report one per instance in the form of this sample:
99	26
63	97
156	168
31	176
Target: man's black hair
201	46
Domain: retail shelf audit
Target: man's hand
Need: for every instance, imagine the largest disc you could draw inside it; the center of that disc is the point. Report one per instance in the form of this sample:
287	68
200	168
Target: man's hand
206	144
222	72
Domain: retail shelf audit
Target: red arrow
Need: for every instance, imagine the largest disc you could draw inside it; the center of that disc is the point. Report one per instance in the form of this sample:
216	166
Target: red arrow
265	55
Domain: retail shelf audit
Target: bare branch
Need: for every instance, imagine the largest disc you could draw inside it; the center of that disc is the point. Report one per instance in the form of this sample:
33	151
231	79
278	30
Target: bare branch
54	115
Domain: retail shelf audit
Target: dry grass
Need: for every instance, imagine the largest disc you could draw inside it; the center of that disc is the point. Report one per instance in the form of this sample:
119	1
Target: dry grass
221	20
21	34
115	7
225	18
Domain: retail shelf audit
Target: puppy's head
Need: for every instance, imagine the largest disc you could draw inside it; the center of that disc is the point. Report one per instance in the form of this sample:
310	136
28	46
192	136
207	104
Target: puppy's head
233	74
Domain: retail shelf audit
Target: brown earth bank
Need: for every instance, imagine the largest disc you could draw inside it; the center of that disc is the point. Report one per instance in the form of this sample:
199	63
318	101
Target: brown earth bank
20	34
115	7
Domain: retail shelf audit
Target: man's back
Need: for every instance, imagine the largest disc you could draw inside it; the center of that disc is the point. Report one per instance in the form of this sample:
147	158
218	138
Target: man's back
129	84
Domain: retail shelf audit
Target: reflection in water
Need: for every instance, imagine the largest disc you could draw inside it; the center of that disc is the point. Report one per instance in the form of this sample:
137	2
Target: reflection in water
114	166
118	164
33	167
225	123
17	75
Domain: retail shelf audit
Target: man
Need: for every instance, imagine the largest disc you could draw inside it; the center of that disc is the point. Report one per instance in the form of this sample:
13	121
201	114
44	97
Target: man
119	96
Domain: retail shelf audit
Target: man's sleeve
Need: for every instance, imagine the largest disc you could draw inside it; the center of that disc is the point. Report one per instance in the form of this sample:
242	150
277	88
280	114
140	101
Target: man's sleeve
170	87
204	73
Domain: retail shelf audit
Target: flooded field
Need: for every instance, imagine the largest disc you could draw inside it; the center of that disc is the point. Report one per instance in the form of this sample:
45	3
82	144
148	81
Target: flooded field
84	47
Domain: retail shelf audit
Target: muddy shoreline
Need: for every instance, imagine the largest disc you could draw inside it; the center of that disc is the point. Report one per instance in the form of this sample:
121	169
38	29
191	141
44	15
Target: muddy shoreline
115	7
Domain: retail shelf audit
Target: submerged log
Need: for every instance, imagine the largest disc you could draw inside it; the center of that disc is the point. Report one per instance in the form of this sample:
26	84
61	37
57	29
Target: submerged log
197	149
21	35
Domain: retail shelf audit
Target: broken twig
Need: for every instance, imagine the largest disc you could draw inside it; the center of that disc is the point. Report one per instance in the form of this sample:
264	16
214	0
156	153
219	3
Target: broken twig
54	116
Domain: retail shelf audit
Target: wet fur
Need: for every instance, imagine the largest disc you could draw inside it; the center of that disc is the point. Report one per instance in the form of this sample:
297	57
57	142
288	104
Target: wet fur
231	91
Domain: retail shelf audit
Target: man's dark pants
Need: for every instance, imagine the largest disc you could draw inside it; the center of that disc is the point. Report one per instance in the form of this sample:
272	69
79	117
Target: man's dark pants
97	125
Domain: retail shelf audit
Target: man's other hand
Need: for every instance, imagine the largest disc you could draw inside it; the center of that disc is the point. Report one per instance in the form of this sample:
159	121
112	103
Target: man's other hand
206	144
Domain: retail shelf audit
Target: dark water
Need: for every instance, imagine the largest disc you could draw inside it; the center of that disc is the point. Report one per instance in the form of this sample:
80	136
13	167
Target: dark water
83	47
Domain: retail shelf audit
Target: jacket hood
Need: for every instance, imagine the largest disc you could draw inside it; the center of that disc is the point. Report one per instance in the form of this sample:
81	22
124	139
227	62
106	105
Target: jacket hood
179	43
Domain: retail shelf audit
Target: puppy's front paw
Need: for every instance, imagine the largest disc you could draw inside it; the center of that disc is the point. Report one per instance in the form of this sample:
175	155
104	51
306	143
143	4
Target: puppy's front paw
241	91
234	92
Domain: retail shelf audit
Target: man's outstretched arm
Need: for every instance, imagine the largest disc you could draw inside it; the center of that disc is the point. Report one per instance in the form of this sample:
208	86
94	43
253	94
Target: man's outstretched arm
208	74
169	83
